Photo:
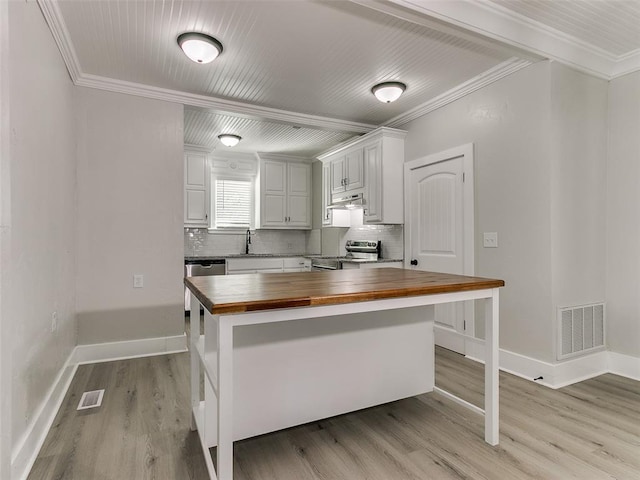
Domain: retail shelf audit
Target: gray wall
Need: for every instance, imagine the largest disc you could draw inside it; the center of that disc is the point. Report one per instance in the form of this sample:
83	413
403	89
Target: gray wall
130	217
623	215
540	139
578	132
38	216
508	122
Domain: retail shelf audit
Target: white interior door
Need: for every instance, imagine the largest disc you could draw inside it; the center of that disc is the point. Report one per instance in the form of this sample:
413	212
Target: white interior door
439	236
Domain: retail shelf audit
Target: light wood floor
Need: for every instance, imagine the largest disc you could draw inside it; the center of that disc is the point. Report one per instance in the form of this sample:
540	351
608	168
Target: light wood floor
587	431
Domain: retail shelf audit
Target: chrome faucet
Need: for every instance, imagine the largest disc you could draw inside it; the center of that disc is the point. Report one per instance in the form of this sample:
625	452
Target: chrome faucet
247	242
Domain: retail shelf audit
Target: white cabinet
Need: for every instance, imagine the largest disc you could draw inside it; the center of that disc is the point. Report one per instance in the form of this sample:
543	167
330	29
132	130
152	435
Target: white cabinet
372	211
347	172
379	177
236	266
285	194
196	189
327	213
364	265
296	264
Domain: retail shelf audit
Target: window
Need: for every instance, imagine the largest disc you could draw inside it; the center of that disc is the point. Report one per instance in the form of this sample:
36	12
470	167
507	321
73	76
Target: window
232	203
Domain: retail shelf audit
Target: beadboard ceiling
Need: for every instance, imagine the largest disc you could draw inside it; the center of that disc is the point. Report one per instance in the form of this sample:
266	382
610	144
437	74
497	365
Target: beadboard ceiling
295	75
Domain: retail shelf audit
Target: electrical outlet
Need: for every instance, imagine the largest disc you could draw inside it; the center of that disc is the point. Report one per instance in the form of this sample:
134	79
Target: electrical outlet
490	240
138	280
289	246
54	322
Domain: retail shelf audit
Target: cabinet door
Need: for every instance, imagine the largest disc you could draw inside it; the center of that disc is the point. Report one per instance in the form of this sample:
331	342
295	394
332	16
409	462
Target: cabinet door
274	178
196	190
354	170
298	211
299	179
298	195
195	207
373	192
274	194
274	210
337	175
326	194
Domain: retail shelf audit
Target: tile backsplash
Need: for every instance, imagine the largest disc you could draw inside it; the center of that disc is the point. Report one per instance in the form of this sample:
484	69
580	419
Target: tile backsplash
199	242
391	236
328	241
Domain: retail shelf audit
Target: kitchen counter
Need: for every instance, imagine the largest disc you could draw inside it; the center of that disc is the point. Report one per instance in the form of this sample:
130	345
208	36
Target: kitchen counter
247	293
285	255
285	349
243	255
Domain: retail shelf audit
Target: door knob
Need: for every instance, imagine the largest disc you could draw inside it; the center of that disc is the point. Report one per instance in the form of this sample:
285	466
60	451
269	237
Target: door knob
414	262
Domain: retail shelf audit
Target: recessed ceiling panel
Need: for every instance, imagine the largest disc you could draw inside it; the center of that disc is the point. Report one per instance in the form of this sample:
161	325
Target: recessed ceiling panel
313	57
202	128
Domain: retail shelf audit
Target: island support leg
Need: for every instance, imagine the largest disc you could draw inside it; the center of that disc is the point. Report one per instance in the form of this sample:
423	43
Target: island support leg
194	323
491	378
225	399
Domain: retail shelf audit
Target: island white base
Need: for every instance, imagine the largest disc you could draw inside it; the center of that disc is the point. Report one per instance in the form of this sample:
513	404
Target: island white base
294	372
323	366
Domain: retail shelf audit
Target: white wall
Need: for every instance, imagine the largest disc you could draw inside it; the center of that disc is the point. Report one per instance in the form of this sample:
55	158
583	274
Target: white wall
130	217
508	122
39	216
623	216
578	187
5	185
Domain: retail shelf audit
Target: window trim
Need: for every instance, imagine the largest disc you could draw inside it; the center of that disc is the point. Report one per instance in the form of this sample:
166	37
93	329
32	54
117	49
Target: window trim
211	228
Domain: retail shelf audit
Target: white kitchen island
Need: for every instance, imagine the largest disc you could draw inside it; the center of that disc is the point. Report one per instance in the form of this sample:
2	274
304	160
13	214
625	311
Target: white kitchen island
284	349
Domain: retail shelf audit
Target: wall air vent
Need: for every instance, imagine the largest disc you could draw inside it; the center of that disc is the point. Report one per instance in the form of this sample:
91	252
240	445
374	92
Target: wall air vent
91	399
581	330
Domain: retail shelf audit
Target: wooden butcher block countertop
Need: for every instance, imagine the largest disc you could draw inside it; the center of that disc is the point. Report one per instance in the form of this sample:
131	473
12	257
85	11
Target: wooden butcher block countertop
223	294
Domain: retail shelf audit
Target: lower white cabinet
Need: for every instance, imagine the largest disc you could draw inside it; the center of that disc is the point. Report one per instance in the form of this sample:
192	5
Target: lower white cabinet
296	264
237	266
354	265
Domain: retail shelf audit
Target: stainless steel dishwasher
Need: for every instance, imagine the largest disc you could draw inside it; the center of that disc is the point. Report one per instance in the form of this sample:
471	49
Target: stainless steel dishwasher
201	268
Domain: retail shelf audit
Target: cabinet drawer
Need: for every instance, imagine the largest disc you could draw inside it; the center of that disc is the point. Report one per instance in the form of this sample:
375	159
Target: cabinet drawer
253	264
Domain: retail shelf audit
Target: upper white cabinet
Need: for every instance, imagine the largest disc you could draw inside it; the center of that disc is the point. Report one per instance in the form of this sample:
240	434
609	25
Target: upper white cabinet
372	165
285	192
196	189
347	172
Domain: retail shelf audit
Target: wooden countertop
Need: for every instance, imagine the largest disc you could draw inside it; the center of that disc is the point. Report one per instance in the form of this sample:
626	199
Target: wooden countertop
222	294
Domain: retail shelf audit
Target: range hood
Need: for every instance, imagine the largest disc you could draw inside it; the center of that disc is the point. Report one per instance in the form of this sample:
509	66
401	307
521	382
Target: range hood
347	202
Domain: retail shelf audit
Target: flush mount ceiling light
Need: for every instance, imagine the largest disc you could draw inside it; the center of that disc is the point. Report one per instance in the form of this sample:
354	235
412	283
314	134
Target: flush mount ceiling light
229	140
388	92
199	47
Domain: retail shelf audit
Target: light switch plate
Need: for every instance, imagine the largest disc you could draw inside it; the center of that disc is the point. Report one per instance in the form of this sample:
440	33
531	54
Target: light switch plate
138	281
490	240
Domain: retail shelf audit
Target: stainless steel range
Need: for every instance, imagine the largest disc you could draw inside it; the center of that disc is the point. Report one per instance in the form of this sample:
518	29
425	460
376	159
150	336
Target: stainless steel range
357	251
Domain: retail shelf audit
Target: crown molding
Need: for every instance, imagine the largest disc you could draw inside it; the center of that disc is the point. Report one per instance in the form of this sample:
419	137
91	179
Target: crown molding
628	63
222	105
368	137
53	17
492	75
496	22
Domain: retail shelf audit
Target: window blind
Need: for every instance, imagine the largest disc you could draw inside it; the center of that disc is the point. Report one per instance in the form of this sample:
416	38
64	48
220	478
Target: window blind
233	203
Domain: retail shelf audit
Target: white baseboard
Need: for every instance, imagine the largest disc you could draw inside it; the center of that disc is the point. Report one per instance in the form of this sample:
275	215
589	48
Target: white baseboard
26	449
146	347
624	365
561	374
